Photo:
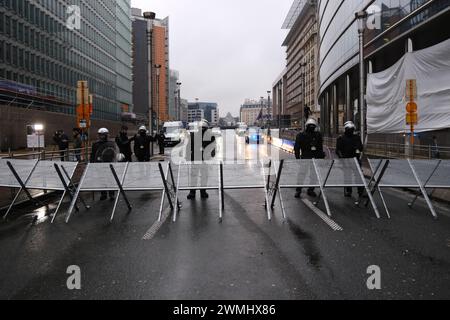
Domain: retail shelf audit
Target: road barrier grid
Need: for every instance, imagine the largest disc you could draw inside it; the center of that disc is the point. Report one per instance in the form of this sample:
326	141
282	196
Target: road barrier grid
267	175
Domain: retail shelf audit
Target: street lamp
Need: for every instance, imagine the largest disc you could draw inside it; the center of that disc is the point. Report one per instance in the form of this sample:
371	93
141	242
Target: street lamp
150	17
269	113
179	100
280	101
38	129
303	75
361	17
158	73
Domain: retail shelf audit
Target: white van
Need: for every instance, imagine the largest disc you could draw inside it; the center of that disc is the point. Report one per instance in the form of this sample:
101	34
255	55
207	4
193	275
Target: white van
174	132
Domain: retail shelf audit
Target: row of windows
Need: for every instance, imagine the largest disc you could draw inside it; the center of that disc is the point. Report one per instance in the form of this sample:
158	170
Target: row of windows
103	108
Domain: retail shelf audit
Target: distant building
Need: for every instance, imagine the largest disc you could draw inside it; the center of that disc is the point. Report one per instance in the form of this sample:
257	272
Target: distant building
228	121
194	115
210	111
301	82
143	92
253	111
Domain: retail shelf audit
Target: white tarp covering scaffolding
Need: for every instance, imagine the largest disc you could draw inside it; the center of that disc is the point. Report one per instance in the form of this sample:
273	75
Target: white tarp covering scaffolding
386	91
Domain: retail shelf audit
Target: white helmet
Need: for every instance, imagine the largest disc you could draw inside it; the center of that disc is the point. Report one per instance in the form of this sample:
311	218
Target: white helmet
142	128
103	131
349	125
311	122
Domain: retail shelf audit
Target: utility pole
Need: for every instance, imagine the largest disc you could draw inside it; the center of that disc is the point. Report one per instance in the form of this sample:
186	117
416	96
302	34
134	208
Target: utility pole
361	18
158	116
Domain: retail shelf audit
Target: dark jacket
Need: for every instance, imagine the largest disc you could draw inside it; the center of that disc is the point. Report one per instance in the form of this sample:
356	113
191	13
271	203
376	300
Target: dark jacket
124	144
309	145
103	151
62	140
349	146
142	147
196	150
160	138
77	142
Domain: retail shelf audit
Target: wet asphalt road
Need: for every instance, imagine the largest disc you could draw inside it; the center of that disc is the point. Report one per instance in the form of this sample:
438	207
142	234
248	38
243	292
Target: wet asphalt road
244	257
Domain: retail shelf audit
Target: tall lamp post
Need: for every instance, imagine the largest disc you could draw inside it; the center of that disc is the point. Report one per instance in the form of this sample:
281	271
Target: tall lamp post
303	75
179	100
150	16
269	113
280	101
158	116
361	17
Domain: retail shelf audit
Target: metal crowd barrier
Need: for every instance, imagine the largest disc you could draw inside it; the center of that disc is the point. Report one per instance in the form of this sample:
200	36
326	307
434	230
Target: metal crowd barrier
127	177
413	174
37	175
322	174
269	176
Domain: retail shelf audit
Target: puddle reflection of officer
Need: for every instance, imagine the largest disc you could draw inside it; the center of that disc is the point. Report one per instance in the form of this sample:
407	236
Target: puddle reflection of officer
309	145
201	148
349	146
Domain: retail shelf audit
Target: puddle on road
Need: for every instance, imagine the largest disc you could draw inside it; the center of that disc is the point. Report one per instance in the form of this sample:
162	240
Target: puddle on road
306	240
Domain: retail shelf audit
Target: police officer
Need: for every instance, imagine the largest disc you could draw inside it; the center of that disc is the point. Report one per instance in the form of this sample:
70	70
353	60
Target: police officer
349	146
161	140
201	147
124	143
142	143
104	151
309	145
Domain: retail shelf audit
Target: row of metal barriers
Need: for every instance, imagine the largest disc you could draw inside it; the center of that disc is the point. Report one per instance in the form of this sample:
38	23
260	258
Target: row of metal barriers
269	176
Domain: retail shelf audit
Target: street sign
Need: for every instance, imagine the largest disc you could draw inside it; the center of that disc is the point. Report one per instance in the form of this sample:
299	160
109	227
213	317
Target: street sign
84	105
411	107
412	119
411	89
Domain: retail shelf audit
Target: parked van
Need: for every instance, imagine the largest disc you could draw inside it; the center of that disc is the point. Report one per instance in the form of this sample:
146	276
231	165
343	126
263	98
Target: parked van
174	132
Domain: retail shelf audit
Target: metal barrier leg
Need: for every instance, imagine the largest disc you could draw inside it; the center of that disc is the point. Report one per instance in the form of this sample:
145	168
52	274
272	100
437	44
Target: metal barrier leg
120	191
277	183
73	188
76	195
322	185
22	187
221	194
163	197
174	186
268	208
175	212
376	186
66	190
423	190
283	209
369	194
411	204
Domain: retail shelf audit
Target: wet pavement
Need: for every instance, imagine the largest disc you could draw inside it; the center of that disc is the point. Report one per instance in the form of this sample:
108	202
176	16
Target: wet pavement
244	257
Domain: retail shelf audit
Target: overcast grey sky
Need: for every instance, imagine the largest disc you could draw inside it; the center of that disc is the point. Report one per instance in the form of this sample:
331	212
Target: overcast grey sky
225	50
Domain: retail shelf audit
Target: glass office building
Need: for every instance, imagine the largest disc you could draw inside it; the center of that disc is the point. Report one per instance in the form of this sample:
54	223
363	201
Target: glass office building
38	49
403	25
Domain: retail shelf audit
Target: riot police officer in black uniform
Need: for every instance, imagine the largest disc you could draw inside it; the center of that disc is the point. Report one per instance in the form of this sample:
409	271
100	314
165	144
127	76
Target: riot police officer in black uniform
309	145
104	151
142	143
349	146
201	148
124	143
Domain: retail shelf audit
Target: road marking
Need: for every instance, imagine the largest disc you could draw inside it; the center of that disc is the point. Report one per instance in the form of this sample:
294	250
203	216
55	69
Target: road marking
330	222
150	234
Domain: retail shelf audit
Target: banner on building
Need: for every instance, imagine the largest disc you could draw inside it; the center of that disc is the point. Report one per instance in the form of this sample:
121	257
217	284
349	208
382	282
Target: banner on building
387	92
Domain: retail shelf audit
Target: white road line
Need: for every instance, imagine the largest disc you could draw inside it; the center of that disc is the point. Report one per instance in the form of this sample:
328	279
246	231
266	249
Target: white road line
150	234
330	222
